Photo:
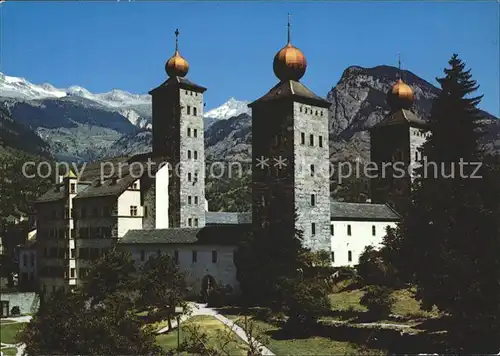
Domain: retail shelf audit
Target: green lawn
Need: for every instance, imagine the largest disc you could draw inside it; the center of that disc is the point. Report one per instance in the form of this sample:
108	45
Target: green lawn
9	331
314	345
9	351
346	305
208	324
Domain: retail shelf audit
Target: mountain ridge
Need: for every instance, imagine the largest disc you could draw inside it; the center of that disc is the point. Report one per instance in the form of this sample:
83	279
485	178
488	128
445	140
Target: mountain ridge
81	125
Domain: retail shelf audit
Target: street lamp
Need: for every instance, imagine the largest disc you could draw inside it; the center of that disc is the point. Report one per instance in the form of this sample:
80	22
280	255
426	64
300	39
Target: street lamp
178	312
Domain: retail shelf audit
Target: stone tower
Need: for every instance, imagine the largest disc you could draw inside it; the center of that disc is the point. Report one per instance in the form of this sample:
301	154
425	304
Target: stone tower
394	147
290	150
178	134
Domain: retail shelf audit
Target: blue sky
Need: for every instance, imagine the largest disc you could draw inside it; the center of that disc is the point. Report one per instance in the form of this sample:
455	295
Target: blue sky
230	45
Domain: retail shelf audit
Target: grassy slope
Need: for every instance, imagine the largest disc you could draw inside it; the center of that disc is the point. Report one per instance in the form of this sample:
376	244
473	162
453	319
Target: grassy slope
8	332
280	344
346	304
208	324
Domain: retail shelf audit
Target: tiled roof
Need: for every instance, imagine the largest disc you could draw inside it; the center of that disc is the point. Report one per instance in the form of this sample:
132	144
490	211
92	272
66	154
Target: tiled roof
180	82
55	193
222	218
402	116
220	235
126	172
362	211
293	90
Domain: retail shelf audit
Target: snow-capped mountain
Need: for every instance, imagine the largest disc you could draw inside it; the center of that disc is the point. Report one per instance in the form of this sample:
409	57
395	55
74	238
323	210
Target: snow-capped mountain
229	109
20	88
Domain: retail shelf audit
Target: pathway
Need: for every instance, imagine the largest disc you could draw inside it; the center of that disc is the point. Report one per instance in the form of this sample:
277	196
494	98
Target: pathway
202	309
19	347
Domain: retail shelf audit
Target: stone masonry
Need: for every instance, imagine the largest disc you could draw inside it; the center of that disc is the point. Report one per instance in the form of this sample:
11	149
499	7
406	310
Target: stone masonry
178	134
311	174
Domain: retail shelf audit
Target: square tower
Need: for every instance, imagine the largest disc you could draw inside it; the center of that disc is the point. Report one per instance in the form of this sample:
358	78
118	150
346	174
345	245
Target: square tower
395	144
290	152
178	134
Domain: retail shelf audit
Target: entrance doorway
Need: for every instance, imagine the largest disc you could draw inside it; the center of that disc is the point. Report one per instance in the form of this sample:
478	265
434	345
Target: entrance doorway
4	308
208	285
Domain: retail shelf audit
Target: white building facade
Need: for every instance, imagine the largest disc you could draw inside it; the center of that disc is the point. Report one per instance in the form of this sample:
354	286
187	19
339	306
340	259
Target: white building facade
354	226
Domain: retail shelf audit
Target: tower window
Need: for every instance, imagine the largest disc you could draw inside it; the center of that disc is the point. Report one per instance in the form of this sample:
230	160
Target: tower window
195	111
311	140
333	256
316	113
189	177
133	210
301	109
349	256
214	256
72	188
189	132
189	199
312	170
313	228
349	230
195	222
189	110
190	222
416	156
195	154
321	112
195	132
373	230
320	142
196	199
302	138
195	256
313	199
189	154
331	229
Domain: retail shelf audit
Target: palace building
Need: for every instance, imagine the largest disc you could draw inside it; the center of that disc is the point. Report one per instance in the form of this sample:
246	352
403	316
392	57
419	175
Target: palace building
81	217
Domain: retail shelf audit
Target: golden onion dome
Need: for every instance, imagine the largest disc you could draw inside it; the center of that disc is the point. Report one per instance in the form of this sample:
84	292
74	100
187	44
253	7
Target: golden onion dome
289	63
176	66
400	96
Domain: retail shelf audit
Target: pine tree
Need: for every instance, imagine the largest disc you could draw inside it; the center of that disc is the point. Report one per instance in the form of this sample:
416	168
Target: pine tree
451	233
272	252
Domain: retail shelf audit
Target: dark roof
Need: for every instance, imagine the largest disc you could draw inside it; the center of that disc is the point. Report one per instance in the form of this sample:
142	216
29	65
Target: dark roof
402	116
293	90
362	211
220	235
55	193
125	173
92	170
179	82
223	218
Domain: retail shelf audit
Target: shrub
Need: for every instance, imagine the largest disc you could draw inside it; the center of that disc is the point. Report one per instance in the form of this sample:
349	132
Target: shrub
378	300
371	268
15	310
219	296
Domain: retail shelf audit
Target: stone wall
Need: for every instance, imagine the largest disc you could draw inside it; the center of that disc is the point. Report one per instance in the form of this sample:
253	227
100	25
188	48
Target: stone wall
28	303
192	155
311	174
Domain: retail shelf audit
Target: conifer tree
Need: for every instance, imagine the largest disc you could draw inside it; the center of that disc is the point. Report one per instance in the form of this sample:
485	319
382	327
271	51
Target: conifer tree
451	233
